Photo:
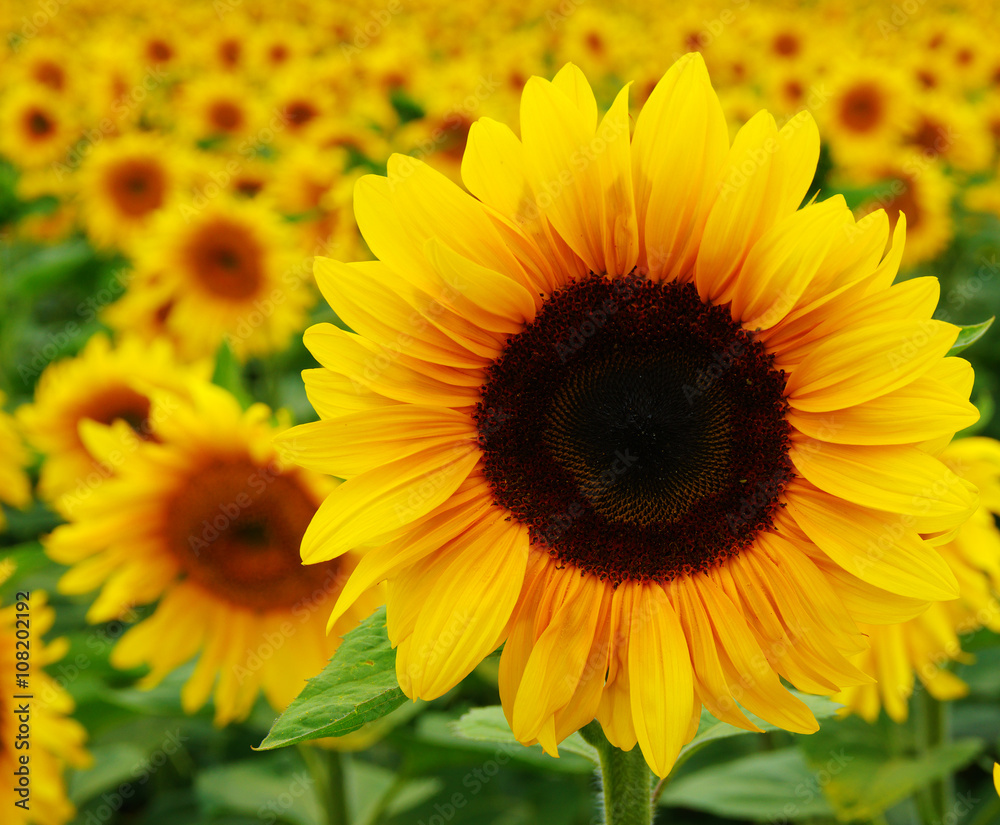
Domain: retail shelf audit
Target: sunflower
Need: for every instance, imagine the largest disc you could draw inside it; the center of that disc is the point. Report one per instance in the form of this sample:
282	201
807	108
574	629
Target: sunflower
36	127
15	487
218	105
208	520
868	109
103	383
55	740
125	182
228	271
951	130
927	644
622	409
907	182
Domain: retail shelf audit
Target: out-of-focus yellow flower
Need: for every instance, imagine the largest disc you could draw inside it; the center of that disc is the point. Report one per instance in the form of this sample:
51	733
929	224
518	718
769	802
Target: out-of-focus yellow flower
229	271
906	181
868	109
927	644
56	741
103	383
36	127
126	181
15	487
208	520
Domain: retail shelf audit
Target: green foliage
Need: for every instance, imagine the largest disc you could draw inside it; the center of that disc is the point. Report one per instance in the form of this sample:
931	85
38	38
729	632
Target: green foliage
357	686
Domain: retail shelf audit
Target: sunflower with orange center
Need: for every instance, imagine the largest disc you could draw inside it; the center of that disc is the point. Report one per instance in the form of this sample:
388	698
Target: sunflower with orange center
208	520
630	411
924	646
55	740
907	182
37	128
104	383
125	182
867	109
228	272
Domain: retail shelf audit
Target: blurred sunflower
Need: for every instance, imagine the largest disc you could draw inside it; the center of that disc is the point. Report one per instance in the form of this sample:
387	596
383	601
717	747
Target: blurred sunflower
624	410
103	383
218	106
15	487
208	520
927	644
56	740
125	182
36	127
868	110
906	182
228	272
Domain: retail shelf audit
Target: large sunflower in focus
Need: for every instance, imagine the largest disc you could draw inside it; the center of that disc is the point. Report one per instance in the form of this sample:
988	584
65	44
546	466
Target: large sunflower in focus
208	520
632	412
925	646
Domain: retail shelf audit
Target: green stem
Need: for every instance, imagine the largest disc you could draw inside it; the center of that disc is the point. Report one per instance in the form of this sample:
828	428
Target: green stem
933	729
326	768
625	780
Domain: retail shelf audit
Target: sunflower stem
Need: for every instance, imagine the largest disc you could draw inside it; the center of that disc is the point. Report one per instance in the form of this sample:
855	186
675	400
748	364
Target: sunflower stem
625	780
326	769
933	729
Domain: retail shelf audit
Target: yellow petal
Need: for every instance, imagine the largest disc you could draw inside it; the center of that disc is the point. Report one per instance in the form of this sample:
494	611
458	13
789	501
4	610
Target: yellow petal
385	498
470	594
353	444
660	677
557	139
864	362
877	547
923	409
897	478
678	149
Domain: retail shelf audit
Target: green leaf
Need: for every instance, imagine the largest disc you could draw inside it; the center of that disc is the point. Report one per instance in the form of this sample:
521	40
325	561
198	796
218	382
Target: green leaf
357	686
441	744
710	728
47	266
229	375
969	334
490	725
764	786
868	786
259	788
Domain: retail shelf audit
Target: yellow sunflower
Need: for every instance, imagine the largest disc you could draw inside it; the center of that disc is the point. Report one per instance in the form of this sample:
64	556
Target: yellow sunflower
37	128
622	408
907	182
103	383
208	520
927	644
125	182
867	111
228	270
15	487
54	740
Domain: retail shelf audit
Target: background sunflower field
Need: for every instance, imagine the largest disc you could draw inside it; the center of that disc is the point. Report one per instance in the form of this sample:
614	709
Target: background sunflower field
168	174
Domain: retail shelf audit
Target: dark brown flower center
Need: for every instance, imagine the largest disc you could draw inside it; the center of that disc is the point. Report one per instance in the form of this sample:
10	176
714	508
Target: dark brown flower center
861	108
137	186
119	402
639	432
225	116
226	259
38	123
236	526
